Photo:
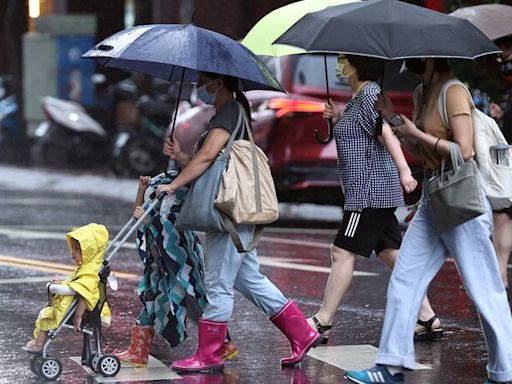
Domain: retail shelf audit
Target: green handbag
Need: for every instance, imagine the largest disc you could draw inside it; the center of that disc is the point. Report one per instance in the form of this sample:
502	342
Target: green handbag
455	196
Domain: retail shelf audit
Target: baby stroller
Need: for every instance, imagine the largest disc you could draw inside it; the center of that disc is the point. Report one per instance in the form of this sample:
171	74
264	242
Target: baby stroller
93	355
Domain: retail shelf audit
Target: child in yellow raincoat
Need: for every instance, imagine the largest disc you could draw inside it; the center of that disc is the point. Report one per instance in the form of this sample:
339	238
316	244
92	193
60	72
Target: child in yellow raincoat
87	246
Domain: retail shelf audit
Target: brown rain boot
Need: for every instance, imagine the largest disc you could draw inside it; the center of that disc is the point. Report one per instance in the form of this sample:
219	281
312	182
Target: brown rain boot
138	352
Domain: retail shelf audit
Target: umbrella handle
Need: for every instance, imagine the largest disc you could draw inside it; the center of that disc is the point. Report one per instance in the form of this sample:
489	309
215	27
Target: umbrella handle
330	133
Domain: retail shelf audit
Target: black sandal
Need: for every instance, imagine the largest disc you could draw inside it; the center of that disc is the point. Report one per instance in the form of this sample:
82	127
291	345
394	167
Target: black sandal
321	329
429	333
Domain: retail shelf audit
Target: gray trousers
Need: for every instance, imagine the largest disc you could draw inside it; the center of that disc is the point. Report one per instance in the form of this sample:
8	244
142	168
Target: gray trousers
226	270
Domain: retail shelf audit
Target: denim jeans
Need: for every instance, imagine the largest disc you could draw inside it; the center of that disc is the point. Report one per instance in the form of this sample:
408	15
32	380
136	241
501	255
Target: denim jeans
226	270
422	254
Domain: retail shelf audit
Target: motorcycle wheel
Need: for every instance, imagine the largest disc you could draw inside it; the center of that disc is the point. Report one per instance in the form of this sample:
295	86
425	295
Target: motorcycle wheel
140	156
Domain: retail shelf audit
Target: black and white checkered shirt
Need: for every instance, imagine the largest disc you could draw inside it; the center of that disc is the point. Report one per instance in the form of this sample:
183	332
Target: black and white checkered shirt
367	172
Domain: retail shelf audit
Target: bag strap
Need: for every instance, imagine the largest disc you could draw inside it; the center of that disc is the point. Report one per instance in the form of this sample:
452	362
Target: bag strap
455	157
441	100
255	165
243	123
230	227
227	148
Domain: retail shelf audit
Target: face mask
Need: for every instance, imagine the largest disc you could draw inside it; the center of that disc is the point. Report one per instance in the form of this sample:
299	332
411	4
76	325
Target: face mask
204	96
339	73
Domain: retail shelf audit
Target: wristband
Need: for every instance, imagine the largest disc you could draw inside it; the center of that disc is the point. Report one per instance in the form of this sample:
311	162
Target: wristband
435	145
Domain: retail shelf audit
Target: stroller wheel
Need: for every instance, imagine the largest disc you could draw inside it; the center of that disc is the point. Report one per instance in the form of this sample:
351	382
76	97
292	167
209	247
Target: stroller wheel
93	362
109	365
51	368
36	362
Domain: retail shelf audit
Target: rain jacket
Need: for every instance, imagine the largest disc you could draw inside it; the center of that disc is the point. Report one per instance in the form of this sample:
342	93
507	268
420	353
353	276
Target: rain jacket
84	280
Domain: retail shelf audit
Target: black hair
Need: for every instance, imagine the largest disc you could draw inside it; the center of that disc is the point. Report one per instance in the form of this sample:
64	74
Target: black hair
231	83
441	65
418	66
368	68
504	42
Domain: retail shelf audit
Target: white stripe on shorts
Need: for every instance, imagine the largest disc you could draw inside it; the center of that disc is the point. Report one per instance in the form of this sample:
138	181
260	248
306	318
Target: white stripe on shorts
352	224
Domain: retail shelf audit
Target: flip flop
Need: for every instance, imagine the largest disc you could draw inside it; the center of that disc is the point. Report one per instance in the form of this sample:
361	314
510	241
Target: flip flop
429	333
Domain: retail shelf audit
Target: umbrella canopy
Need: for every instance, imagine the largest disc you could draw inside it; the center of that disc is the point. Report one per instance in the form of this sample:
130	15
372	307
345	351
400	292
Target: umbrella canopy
494	20
176	52
260	38
387	29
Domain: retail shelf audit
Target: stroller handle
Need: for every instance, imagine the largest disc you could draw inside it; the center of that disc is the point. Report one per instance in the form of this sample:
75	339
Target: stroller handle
128	229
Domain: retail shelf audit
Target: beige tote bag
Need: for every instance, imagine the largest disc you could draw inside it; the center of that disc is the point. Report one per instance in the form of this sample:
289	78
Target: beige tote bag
247	194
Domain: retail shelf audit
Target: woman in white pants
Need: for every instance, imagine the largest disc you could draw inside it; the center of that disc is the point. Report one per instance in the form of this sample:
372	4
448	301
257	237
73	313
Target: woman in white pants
424	250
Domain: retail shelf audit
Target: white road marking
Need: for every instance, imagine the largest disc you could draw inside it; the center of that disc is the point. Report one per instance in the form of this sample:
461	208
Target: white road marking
35	279
270	239
29	201
274	262
353	357
309	231
156	370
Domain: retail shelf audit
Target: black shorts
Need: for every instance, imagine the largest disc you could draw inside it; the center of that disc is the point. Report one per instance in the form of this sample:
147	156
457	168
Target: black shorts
369	230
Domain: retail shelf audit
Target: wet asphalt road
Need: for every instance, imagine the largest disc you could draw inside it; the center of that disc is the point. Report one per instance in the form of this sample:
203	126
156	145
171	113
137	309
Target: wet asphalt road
32	228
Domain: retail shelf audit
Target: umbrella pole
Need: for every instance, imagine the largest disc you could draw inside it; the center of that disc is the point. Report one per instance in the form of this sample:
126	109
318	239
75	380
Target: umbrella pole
329	127
174	118
380	120
177	102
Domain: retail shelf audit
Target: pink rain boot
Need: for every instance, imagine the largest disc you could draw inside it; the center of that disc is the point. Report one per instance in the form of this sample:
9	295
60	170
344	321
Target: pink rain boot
138	352
208	354
291	321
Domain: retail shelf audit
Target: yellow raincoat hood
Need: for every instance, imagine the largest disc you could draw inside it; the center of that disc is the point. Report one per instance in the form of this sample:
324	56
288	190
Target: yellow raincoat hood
84	280
93	239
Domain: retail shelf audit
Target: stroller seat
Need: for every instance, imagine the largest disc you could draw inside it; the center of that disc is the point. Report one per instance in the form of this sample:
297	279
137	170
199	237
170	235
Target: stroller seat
108	365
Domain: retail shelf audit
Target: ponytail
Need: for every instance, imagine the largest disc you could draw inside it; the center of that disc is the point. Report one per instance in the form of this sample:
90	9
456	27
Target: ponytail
240	97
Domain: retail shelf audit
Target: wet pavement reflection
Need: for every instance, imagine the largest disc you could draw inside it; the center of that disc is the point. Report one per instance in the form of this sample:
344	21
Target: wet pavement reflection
32	229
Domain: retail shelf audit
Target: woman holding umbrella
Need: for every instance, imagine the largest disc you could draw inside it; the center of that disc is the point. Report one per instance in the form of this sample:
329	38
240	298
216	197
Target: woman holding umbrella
374	173
225	268
424	250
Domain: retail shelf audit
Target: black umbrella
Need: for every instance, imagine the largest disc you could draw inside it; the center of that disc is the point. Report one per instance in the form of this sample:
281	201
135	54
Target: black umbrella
387	29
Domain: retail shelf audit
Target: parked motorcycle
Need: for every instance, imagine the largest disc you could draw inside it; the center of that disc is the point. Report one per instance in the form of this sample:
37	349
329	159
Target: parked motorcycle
69	136
138	150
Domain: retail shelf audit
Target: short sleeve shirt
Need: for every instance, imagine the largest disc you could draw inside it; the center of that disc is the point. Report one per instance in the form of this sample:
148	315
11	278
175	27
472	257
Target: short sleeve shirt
226	118
428	118
367	172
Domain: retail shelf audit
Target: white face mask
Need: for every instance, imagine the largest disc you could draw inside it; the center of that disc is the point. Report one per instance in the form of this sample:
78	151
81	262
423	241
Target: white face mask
339	72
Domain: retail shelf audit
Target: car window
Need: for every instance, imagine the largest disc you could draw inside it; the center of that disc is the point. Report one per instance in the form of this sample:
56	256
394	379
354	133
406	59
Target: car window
309	71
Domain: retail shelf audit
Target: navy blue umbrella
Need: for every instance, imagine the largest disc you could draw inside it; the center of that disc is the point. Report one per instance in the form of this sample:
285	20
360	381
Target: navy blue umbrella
175	52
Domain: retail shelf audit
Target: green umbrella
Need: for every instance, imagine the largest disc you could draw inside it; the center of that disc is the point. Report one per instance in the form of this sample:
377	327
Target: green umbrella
274	24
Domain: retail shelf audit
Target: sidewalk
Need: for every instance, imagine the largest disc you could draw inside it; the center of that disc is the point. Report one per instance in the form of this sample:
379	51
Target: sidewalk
19	178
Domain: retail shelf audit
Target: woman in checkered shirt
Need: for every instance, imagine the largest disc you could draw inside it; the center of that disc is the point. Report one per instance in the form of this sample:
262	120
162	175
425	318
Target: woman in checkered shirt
373	173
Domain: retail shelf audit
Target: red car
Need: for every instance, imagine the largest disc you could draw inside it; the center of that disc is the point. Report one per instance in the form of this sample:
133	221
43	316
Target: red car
284	124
